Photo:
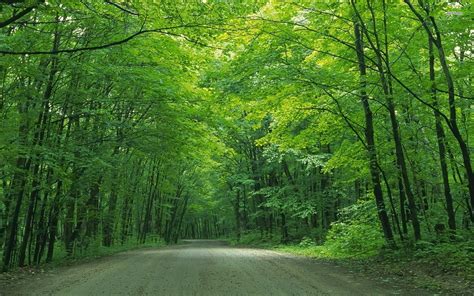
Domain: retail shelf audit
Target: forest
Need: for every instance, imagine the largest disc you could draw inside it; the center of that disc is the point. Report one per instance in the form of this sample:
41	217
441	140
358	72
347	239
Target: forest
339	127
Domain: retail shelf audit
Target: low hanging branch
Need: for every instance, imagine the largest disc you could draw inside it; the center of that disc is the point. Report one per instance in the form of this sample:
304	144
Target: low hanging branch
142	31
163	31
72	50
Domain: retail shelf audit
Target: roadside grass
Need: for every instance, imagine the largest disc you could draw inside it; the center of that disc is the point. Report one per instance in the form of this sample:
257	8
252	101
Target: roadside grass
93	251
96	250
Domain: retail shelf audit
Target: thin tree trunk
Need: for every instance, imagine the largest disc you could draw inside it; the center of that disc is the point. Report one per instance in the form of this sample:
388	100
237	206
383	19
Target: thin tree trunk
441	145
370	139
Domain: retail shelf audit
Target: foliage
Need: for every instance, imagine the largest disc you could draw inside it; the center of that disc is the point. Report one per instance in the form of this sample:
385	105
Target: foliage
342	127
449	257
353	240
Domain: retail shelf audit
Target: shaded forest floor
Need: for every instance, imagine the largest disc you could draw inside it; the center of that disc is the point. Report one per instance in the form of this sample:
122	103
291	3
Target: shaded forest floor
441	269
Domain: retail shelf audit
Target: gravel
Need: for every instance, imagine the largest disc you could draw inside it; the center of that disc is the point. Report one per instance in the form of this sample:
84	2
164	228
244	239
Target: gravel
201	267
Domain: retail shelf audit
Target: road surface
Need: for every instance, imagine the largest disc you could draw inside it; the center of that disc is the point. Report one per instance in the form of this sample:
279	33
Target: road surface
201	267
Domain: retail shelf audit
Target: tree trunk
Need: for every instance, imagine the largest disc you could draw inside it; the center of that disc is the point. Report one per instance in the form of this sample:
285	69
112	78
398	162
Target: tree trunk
370	139
441	145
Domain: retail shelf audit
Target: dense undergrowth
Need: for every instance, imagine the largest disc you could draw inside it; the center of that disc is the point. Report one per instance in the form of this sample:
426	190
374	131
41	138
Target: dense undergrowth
450	256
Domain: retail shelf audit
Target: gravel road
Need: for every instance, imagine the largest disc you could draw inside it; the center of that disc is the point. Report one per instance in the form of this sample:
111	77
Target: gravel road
201	267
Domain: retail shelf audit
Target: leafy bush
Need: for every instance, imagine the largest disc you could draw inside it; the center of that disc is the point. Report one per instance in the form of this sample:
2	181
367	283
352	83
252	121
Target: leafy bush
357	234
353	239
307	242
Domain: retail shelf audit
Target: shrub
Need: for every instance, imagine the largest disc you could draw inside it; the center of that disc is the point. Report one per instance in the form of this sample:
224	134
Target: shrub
307	242
357	234
354	239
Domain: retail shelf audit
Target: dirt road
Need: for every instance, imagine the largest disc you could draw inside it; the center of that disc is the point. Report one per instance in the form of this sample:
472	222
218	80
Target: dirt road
201	268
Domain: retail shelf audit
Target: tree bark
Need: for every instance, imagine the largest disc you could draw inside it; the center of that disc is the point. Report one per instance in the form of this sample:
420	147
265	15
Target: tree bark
370	138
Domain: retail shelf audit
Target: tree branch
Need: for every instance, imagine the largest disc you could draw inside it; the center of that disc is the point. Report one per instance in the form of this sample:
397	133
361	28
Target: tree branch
122	8
17	16
111	44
